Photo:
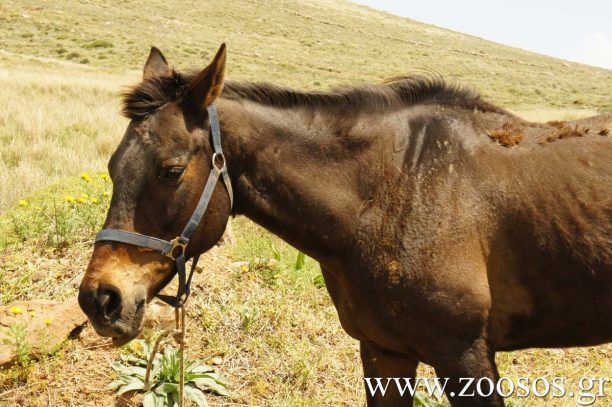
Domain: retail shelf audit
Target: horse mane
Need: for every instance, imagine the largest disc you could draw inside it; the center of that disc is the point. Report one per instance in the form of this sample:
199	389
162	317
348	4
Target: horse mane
146	97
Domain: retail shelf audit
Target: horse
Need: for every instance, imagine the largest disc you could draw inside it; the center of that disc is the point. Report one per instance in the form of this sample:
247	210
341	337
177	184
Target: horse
446	227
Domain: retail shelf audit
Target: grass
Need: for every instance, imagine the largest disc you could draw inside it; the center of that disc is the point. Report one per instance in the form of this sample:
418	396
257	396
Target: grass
62	66
274	329
60	119
299	43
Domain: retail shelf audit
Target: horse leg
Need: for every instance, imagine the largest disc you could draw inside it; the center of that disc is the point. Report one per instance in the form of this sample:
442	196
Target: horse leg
378	363
477	362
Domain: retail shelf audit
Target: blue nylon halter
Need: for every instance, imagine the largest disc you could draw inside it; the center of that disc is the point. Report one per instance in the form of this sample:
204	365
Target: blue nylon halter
175	248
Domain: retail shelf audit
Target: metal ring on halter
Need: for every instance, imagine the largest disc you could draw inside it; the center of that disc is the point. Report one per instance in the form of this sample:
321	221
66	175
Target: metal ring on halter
220	155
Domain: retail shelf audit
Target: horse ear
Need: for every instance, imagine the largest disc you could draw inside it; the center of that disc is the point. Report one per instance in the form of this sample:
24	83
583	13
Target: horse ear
156	64
208	84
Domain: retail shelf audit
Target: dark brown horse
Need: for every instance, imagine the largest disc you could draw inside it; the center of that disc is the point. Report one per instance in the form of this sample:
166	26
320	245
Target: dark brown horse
446	228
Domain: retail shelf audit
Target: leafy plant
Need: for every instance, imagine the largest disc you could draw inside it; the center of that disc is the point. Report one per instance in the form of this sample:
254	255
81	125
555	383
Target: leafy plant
268	269
299	262
276	253
249	316
423	401
23	351
318	281
163	389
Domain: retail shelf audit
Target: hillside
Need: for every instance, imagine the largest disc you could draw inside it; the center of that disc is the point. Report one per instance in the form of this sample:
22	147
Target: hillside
274	328
299	43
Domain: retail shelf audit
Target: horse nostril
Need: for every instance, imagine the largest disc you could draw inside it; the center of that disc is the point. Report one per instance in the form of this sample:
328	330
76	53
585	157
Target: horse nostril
109	300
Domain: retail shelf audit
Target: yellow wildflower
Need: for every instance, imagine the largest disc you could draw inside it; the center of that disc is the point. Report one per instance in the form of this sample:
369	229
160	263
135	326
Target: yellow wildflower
244	268
94	200
81	200
48	322
105	177
106	194
69	199
85	177
15	310
32	313
22	202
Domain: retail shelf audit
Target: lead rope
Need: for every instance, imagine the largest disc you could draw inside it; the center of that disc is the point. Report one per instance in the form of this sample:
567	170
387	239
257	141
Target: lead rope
181	355
178	334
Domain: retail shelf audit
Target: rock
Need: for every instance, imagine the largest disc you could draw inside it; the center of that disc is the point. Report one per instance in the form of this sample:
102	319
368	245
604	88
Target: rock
45	325
38	276
217	360
159	315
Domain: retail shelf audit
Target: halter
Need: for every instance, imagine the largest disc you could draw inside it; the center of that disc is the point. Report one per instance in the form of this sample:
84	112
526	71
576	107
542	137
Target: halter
175	249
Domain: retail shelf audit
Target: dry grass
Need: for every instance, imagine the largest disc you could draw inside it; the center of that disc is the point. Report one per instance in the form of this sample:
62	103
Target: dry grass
57	120
277	333
543	114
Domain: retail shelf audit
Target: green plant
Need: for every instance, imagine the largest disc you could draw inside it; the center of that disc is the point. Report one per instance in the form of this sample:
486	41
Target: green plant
268	269
163	389
99	44
318	281
60	215
248	316
423	401
23	351
276	255
299	261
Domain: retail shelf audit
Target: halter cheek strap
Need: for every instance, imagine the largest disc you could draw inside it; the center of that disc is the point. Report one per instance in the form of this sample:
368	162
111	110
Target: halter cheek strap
175	249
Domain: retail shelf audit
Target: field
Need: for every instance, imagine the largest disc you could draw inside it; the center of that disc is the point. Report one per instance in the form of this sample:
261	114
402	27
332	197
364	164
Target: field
62	67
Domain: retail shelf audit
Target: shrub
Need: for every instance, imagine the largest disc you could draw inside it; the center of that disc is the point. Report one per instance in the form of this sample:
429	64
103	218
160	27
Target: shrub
99	44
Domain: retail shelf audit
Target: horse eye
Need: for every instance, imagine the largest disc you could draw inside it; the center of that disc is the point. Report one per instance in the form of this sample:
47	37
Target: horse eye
171	174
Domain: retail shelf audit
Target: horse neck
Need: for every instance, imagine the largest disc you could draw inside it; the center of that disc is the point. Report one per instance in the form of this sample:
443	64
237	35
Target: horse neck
291	175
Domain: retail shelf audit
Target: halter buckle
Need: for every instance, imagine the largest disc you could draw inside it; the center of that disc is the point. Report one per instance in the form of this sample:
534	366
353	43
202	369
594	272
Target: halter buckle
177	242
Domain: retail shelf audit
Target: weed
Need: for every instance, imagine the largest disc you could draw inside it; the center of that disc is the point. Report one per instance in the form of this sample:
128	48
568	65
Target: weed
299	261
318	281
248	316
23	351
163	388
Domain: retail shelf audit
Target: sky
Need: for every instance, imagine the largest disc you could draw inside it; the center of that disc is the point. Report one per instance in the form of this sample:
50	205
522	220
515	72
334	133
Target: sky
577	30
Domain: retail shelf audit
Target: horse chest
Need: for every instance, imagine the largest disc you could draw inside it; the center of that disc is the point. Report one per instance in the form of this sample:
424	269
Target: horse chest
363	316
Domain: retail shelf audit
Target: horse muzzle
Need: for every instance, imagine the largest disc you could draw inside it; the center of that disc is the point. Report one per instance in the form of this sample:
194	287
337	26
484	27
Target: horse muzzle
110	313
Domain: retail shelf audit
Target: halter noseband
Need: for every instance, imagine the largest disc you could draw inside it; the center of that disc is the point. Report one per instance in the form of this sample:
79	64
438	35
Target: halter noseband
175	248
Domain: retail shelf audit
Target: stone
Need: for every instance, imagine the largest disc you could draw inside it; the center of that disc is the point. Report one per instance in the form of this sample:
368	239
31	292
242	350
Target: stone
46	324
159	315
